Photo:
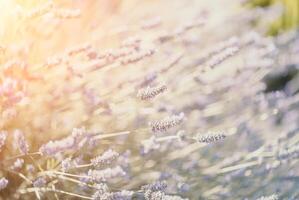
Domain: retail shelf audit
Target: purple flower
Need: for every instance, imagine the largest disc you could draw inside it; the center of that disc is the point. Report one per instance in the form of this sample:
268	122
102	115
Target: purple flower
39	182
66	164
3	183
104	175
167	123
21	142
3	136
18	164
106	158
68	143
149	145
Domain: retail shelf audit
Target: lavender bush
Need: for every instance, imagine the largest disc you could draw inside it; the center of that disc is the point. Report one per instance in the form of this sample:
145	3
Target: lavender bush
147	100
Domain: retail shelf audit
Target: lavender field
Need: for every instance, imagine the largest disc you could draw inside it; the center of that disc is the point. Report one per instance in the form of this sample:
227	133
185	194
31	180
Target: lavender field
149	100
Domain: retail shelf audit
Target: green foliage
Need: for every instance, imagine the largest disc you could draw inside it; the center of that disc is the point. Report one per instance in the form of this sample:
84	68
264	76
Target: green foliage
288	20
260	3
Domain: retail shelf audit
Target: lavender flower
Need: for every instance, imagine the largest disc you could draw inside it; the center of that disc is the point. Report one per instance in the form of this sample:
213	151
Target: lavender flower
79	49
102	188
183	187
114	54
271	197
190	25
105	174
137	56
222	46
3	183
70	142
39	182
218	59
37	12
122	195
131	42
157	186
167	123
288	153
3	136
156	195
21	142
210	137
66	164
102	192
30	168
17	164
181	135
106	158
149	145
54	61
84	178
148	79
150	93
98	195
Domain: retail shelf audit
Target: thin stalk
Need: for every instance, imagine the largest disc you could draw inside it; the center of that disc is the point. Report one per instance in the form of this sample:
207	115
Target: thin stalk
45	189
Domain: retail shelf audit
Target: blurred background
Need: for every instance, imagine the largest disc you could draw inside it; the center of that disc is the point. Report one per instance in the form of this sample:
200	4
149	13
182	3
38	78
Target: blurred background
199	70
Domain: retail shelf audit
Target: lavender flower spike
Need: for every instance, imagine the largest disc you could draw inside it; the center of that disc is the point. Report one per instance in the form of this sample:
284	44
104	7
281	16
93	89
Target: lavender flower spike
3	183
106	158
21	142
